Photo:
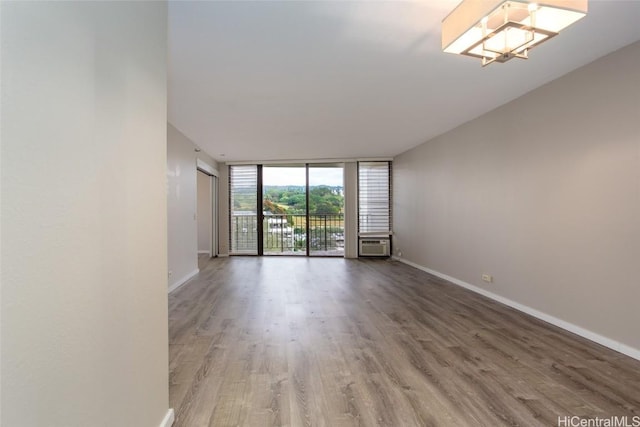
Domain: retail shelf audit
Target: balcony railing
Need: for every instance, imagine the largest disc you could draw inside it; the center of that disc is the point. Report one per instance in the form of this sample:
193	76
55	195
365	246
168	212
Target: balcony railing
287	234
244	234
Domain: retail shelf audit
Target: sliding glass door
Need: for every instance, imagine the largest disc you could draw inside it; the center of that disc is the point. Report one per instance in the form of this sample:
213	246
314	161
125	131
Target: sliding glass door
284	205
301	210
326	210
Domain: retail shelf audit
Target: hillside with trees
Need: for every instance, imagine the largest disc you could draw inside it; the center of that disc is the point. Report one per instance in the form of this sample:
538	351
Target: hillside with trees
323	199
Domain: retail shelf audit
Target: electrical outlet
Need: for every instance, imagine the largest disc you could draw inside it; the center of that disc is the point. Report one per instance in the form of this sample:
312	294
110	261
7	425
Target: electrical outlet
487	278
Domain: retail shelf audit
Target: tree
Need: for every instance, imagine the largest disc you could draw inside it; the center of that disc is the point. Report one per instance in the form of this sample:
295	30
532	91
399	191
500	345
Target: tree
323	199
269	206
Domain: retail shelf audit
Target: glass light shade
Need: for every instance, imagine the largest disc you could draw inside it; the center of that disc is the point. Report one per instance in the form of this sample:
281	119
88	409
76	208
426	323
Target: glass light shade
491	29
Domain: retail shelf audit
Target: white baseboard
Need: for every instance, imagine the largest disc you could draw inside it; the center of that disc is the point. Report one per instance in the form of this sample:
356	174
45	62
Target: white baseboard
585	333
223	255
183	280
168	419
204	252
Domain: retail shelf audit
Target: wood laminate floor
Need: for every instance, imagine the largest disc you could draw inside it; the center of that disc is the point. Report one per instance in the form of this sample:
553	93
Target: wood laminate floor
279	341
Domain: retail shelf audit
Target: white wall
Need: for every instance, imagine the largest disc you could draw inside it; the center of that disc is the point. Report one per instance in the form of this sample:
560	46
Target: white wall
544	194
84	302
205	220
182	206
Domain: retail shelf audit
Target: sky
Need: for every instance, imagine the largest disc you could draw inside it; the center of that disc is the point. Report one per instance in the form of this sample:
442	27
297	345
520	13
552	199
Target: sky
331	176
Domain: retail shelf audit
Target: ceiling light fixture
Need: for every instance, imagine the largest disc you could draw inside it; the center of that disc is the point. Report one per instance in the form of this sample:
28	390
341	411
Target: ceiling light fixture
499	30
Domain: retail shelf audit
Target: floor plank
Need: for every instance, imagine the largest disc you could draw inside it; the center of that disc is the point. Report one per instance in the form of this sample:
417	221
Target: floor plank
285	341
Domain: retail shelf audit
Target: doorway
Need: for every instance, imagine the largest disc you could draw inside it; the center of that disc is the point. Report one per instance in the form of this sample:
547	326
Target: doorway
206	213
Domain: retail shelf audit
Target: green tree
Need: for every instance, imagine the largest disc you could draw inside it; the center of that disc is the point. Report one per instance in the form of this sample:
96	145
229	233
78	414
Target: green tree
323	199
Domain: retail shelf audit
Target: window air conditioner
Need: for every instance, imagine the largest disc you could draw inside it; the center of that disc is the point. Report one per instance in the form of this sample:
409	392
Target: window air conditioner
374	247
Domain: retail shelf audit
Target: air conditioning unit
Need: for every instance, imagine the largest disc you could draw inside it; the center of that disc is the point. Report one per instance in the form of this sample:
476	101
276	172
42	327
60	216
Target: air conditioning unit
375	247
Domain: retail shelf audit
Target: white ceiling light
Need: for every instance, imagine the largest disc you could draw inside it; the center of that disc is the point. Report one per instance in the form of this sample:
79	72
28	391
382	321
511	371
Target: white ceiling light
498	30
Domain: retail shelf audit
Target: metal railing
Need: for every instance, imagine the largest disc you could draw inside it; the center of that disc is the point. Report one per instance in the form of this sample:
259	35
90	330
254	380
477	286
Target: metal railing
287	234
244	234
326	233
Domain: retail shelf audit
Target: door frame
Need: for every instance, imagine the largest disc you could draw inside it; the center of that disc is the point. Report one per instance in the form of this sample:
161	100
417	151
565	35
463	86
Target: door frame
213	174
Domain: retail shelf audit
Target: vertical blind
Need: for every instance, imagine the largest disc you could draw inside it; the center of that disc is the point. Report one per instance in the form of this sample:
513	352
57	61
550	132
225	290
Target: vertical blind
243	209
374	197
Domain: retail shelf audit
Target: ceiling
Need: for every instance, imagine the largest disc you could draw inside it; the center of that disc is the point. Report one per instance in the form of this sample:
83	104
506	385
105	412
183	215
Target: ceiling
284	80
